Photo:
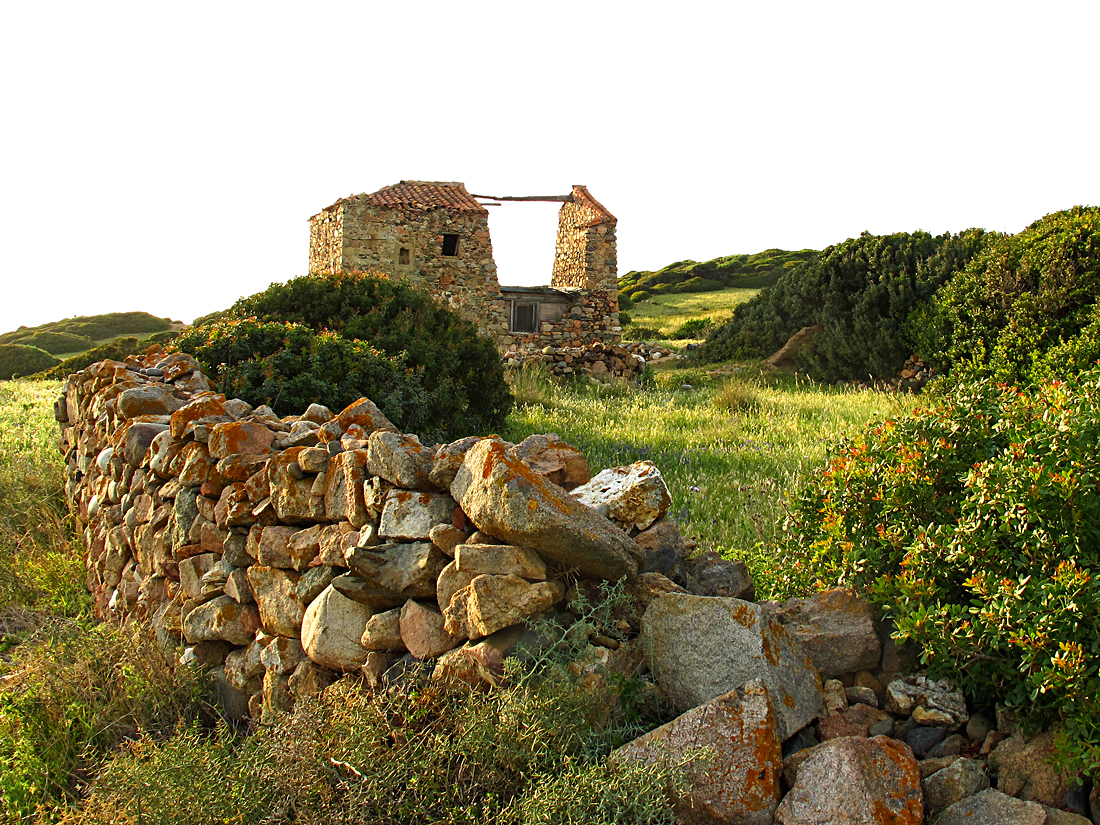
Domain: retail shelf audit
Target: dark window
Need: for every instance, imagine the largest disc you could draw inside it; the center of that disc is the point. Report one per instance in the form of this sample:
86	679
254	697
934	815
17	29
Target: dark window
524	317
403	255
450	245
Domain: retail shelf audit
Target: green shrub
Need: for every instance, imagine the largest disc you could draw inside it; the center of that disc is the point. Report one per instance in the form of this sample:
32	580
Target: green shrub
695	328
625	320
461	372
56	343
625	302
116	350
862	291
18	360
640	295
289	366
1016	311
759	270
700	285
635	333
110	325
975	526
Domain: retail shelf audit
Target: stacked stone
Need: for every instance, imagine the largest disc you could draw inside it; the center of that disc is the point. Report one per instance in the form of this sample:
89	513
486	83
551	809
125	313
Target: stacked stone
865	745
286	551
592	316
596	360
915	374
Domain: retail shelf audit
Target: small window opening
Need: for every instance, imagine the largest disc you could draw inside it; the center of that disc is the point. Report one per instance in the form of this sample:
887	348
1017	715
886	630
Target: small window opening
450	245
403	256
524	317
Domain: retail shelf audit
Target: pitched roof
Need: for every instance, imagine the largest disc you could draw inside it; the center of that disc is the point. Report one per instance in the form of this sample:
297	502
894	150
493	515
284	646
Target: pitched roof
422	195
582	196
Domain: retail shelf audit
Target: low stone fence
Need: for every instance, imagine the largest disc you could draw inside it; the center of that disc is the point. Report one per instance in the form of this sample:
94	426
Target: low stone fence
599	361
285	551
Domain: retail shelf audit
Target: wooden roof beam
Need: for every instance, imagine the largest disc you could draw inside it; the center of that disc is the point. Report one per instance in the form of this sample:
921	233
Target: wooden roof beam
552	198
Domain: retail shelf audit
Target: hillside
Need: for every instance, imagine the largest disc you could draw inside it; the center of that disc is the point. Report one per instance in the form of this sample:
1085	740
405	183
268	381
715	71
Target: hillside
745	271
70	336
58	348
683	316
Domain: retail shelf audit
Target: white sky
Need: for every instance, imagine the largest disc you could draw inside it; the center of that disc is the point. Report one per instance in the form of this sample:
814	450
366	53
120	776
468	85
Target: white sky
166	157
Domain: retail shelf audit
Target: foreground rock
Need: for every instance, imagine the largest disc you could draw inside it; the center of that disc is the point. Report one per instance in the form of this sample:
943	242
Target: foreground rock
633	497
854	781
836	628
738	781
504	498
992	807
332	628
703	647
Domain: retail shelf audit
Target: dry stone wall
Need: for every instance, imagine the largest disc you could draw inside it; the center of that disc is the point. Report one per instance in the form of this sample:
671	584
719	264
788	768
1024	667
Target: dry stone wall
285	552
597	361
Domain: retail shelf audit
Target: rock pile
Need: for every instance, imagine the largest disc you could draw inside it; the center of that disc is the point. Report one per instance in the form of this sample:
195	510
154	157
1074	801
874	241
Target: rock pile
598	361
287	553
914	374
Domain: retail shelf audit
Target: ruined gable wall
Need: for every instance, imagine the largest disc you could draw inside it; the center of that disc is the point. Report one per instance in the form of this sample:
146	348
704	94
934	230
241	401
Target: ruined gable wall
326	230
585	263
585	254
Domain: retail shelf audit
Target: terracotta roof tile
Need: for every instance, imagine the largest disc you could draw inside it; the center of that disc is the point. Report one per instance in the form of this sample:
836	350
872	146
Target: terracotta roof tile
422	195
582	196
426	195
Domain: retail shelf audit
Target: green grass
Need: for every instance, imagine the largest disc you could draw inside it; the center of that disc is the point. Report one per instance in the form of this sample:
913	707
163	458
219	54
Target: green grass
70	689
667	312
729	449
40	565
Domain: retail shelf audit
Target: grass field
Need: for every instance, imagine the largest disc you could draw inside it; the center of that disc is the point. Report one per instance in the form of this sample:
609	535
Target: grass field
729	448
667	312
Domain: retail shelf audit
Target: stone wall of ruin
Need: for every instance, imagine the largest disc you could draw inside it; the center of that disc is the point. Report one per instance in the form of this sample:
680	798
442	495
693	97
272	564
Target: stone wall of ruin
585	253
354	235
357	236
593	317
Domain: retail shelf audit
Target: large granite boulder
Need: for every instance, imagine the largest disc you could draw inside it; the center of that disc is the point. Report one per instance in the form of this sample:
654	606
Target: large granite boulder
1024	769
504	498
854	781
702	647
738	780
992	807
633	497
331	629
547	455
836	628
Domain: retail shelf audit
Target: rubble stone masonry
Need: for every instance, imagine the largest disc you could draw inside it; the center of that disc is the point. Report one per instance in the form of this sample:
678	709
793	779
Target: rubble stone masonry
437	235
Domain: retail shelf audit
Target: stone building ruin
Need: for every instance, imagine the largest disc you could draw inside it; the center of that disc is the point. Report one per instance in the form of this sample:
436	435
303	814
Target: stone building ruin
436	234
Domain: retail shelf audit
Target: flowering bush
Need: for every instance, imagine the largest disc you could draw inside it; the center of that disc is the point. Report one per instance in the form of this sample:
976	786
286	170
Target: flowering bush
975	526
